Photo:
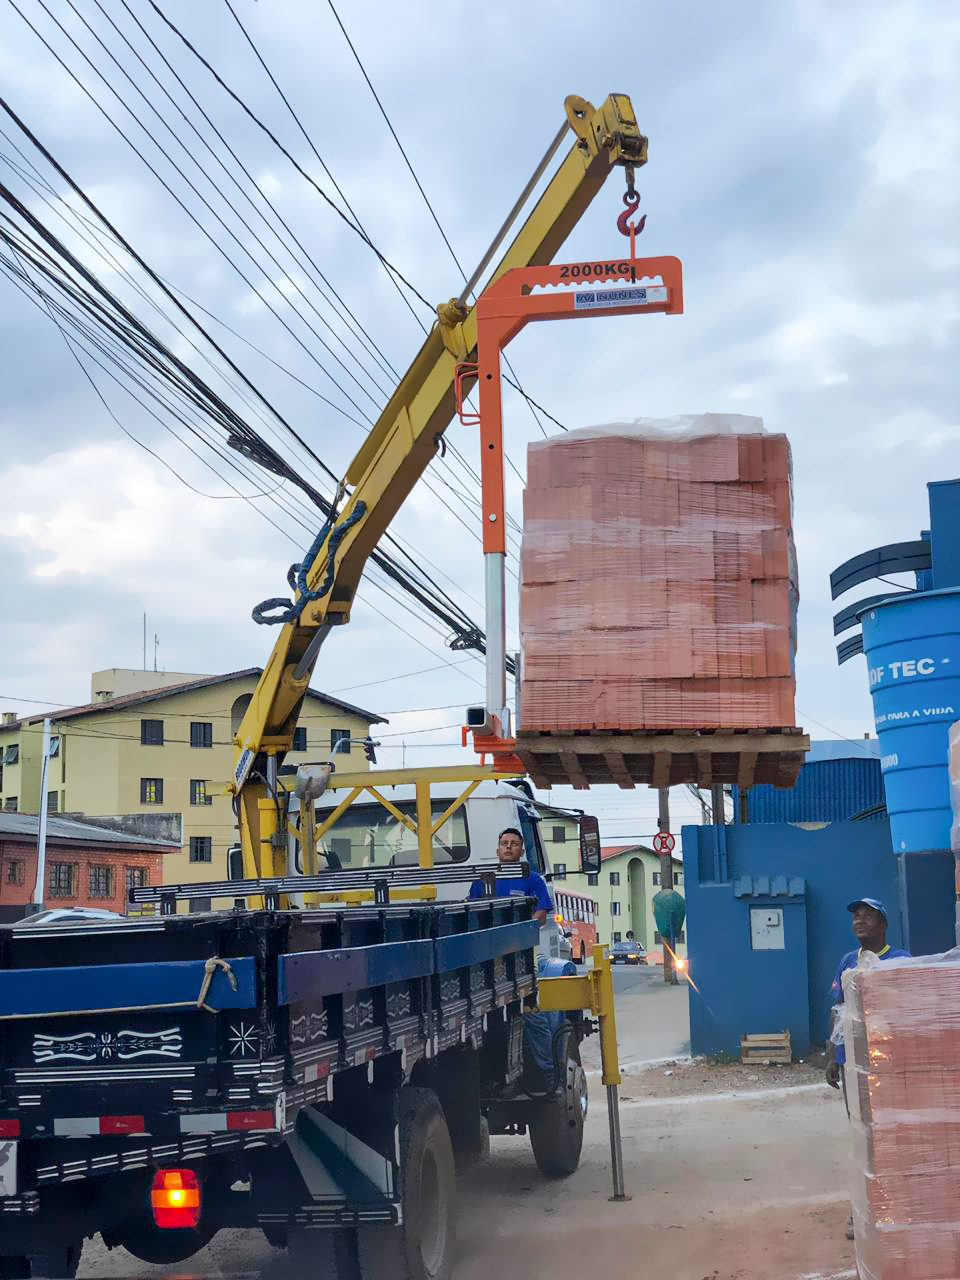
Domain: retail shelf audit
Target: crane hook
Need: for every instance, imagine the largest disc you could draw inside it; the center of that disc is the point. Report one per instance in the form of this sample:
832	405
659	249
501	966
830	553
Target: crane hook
631	199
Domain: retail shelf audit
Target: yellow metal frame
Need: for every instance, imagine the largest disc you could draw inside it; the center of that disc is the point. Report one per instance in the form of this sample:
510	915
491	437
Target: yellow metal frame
593	991
399	448
424	826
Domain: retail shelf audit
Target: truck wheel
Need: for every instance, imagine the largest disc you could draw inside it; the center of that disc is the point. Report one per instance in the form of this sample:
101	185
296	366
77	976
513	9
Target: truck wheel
422	1248
556	1127
148	1243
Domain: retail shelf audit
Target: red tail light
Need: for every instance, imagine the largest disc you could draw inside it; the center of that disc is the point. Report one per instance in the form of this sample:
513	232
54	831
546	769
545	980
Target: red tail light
175	1199
9	1128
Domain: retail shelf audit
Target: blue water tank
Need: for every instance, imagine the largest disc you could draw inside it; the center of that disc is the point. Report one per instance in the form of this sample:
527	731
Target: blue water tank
912	646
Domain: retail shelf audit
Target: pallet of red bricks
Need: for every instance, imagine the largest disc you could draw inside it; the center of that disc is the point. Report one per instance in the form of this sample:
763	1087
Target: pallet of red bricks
902	1036
658	578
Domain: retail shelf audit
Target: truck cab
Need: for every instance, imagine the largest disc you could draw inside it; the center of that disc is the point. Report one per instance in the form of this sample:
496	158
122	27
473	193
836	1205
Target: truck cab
369	835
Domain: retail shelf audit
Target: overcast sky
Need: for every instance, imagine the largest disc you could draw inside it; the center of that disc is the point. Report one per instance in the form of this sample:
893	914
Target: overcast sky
803	161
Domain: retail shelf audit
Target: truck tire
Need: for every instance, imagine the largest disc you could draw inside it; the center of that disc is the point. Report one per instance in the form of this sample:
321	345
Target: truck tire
556	1127
422	1248
148	1243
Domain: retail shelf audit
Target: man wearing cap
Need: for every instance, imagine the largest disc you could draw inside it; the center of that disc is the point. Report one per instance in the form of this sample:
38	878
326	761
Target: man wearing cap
870	931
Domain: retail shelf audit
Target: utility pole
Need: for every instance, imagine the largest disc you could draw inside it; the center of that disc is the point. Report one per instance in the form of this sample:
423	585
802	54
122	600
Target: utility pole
37	903
666	879
716	804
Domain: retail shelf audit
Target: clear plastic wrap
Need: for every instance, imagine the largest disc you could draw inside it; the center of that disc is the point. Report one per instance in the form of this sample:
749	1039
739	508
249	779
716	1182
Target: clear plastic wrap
901	1025
954	768
658	578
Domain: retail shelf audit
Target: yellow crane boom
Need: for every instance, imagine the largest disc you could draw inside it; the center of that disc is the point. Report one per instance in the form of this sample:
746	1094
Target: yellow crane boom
391	460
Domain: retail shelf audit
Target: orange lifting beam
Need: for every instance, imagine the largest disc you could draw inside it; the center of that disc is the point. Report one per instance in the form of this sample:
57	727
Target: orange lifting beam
563	291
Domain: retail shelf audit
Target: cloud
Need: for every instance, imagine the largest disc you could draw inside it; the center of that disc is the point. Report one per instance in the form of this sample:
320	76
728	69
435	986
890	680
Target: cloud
802	165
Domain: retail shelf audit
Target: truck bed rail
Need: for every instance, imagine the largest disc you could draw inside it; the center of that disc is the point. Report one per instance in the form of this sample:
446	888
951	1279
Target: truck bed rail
382	879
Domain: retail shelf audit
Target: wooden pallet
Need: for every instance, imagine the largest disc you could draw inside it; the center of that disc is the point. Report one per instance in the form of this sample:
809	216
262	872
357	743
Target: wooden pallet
771	1048
664	758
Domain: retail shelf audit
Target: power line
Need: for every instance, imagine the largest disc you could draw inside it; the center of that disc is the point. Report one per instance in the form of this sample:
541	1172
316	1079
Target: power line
203	230
354	226
462	626
514	382
197	392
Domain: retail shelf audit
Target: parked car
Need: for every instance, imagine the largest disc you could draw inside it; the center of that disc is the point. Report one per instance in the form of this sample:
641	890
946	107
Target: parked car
629	952
67	915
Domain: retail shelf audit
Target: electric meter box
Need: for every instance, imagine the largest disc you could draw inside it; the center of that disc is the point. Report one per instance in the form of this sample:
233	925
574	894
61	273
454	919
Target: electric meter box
766	929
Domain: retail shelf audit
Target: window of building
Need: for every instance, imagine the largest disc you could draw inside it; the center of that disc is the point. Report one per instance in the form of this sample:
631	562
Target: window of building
53	802
559	835
615	877
656	877
198	792
592	879
15	871
201	848
1	770
151	791
101	882
62	879
135	878
11	804
54	749
151	733
678	877
617	937
201	733
560	871
300	739
337	736
11	754
614	908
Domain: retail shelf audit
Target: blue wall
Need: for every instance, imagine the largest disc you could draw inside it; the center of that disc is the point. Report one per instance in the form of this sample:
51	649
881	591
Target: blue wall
825	791
742	991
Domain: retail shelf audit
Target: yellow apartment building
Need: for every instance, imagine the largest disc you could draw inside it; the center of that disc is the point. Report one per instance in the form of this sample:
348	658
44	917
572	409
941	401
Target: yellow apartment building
624	890
151	743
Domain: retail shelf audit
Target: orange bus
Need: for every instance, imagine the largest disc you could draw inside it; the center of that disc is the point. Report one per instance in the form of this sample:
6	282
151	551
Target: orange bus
577	915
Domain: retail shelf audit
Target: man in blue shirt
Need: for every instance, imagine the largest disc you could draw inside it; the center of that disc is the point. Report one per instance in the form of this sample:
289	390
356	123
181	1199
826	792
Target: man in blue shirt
510	850
870	931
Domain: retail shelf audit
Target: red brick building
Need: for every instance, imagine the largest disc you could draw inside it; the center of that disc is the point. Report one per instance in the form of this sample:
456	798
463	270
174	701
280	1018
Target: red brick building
86	865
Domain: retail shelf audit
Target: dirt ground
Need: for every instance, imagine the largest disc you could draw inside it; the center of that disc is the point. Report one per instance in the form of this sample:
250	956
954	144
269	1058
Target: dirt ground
673	1079
734	1173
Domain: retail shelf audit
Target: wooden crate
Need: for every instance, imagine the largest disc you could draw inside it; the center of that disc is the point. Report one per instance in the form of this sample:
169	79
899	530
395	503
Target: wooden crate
664	758
770	1048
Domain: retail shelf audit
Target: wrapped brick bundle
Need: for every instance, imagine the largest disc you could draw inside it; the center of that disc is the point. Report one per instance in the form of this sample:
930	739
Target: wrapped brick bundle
902	1036
658	578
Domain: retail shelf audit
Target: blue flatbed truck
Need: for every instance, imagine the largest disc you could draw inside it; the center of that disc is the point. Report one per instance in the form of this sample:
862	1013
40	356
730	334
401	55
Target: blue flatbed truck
316	1073
319	1070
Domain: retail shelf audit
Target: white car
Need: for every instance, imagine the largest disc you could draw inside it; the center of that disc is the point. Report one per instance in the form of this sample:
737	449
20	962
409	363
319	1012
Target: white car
67	915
